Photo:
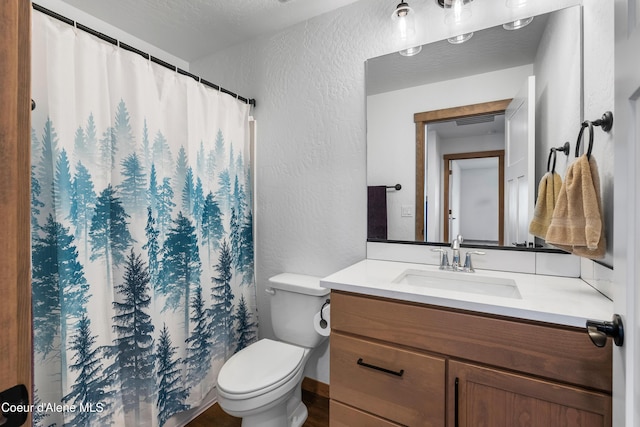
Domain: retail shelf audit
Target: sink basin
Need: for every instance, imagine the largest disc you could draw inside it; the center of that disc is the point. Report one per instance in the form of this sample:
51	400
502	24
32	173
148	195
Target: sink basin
460	282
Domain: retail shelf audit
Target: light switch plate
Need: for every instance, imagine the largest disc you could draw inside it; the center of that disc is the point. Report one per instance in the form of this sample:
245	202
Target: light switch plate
406	210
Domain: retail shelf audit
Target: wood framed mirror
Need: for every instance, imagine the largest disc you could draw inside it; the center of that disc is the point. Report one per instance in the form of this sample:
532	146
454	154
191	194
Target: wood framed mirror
422	120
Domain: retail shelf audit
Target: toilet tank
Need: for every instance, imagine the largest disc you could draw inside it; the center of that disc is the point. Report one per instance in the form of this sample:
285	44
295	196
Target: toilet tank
295	299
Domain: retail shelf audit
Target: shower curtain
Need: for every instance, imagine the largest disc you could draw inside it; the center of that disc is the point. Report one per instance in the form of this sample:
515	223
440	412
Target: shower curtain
142	242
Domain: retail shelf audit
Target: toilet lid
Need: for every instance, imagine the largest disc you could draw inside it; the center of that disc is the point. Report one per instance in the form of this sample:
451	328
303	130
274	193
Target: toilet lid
260	365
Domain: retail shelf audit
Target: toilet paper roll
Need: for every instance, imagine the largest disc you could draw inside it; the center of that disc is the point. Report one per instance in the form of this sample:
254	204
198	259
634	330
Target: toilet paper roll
318	323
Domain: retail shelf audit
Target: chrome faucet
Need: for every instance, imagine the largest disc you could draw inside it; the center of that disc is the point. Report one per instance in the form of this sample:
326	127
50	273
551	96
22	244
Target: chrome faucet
456	265
455	248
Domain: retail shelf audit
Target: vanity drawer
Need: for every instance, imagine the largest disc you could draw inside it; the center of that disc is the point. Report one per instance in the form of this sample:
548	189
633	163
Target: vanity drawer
555	352
345	416
397	384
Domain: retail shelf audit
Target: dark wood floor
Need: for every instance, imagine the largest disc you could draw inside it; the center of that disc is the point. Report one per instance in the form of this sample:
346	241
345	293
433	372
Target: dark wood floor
318	407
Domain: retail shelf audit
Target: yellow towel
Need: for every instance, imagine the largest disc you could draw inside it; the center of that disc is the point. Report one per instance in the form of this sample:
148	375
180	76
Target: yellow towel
577	225
548	192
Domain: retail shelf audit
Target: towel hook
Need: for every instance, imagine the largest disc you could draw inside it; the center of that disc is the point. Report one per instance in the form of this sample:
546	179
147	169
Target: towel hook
564	148
585	124
605	122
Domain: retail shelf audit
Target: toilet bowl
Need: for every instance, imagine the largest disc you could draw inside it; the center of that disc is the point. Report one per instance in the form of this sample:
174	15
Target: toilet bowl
258	382
262	383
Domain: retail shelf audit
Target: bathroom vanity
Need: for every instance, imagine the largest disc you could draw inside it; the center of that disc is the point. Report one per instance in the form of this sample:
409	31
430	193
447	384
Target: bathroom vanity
415	355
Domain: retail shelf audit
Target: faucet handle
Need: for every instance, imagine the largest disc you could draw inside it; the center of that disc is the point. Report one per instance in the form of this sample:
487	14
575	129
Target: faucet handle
444	258
468	265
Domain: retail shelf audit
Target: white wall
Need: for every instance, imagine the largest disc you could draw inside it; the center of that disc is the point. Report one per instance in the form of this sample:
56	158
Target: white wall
433	197
598	98
309	85
456	202
558	113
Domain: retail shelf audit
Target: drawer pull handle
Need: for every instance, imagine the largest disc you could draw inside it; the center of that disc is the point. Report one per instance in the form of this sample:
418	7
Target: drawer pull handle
456	403
378	368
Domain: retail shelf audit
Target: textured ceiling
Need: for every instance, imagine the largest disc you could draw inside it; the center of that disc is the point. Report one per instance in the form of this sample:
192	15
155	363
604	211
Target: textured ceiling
192	29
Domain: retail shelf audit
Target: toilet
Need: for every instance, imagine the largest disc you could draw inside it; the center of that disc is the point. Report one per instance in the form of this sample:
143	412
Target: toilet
262	383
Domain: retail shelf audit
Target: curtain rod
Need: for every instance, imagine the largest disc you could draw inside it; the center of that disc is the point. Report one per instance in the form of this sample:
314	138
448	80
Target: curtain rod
141	53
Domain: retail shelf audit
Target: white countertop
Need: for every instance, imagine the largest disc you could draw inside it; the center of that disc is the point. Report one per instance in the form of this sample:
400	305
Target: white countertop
558	300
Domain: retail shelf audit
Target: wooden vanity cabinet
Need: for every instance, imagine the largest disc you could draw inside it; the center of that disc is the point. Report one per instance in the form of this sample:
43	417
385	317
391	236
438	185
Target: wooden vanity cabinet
401	363
490	397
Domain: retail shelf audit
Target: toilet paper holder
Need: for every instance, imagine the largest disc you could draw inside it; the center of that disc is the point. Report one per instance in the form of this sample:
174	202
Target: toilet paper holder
323	321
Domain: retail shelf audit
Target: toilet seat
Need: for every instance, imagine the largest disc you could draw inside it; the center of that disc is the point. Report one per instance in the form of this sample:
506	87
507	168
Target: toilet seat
259	368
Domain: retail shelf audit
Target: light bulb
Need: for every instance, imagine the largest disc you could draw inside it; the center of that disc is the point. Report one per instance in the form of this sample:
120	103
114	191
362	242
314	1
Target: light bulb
405	19
411	51
460	38
517	24
455	12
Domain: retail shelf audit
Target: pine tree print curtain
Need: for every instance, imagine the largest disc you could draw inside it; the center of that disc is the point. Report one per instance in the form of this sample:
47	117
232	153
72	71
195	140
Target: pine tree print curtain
142	243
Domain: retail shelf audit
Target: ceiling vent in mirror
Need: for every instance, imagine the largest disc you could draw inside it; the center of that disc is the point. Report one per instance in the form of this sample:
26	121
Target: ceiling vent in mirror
472	120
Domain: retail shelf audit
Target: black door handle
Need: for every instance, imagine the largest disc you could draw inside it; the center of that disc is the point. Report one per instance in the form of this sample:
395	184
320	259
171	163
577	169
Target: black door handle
14	406
599	331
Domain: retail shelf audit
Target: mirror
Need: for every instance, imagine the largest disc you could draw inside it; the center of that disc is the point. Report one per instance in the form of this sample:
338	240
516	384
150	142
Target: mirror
413	104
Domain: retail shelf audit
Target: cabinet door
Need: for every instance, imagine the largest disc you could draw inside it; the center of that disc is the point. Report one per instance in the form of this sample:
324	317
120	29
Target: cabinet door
398	384
479	396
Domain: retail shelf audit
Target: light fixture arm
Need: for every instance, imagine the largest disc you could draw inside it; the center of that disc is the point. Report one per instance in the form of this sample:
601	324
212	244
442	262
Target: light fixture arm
447	3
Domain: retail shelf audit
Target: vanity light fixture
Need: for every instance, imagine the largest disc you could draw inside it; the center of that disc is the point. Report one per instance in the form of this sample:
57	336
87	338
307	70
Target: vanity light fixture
455	11
517	24
460	38
404	17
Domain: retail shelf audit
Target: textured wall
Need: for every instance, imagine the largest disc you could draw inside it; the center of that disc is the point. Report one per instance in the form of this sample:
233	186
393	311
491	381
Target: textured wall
311	150
311	161
558	110
599	97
